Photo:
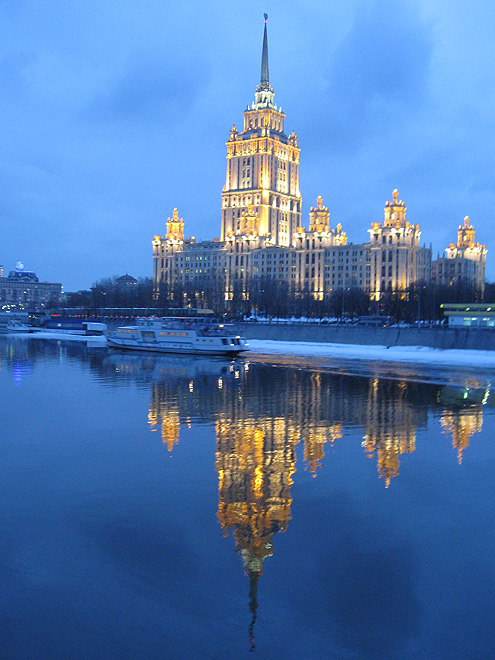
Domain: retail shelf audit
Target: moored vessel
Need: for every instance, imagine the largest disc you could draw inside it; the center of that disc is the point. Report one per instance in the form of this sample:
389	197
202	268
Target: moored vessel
192	335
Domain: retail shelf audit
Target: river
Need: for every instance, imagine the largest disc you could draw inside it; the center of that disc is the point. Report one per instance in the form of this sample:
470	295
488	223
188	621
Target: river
270	507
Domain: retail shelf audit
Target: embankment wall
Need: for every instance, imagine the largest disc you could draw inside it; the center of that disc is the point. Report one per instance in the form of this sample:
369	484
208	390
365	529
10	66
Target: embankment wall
460	338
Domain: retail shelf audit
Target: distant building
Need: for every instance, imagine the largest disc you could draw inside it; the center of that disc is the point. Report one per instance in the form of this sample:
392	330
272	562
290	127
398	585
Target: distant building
397	258
464	261
22	290
125	282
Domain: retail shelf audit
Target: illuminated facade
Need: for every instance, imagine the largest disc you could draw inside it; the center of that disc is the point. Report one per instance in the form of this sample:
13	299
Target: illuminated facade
397	258
261	193
262	235
464	261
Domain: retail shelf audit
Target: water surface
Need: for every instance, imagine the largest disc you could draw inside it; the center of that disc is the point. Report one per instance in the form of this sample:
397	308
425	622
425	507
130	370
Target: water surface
161	507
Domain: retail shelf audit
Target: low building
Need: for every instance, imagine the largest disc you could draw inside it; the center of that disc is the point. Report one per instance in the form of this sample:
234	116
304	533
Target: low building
22	290
319	260
469	315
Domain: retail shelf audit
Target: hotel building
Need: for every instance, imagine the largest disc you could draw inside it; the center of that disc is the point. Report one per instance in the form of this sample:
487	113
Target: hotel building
262	235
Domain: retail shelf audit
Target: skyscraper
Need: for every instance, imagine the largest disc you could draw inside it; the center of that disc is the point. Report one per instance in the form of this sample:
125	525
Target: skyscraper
262	236
262	169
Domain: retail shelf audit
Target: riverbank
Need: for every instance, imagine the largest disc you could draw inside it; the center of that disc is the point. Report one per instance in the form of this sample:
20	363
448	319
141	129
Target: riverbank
437	337
417	355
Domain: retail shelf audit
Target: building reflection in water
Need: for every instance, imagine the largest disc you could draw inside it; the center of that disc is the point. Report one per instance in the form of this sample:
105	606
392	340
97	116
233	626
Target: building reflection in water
261	413
463	414
255	464
311	407
391	423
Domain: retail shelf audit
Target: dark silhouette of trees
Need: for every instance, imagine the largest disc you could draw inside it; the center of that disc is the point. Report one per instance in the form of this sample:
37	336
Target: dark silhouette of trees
268	297
107	292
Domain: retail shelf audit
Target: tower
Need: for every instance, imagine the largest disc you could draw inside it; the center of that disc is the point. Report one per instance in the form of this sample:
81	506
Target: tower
262	168
464	262
175	227
397	258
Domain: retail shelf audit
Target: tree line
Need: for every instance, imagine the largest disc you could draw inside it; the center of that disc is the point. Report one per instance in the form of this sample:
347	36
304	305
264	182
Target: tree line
108	293
268	297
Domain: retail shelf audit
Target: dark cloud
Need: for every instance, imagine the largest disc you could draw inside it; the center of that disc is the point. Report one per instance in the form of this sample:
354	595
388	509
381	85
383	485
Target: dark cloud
152	88
376	79
385	57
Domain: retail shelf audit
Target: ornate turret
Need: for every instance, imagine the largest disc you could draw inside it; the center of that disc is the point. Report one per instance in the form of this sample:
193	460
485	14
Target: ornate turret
319	217
466	245
465	235
395	212
175	227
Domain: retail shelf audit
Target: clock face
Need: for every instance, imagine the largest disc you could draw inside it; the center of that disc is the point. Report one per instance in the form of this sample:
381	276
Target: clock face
19	265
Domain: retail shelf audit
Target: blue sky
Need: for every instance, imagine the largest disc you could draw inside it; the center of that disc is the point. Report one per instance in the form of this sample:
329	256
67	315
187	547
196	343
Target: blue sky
113	113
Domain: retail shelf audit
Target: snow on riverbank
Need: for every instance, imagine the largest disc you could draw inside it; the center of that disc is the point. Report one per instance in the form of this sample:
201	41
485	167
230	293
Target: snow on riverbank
400	354
407	354
61	335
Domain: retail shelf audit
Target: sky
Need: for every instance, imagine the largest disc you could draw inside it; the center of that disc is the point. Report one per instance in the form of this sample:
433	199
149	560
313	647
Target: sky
115	113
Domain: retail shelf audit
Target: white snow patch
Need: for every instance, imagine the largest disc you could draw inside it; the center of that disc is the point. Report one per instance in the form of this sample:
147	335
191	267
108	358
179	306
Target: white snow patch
414	354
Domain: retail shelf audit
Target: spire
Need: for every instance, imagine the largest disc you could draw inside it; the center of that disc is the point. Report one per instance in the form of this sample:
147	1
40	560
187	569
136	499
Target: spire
265	76
264	95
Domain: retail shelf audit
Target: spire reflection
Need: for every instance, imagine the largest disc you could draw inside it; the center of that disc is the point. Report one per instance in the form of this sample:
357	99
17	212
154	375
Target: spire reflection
255	463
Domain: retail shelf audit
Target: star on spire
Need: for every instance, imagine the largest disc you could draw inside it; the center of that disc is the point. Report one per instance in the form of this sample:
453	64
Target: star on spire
265	75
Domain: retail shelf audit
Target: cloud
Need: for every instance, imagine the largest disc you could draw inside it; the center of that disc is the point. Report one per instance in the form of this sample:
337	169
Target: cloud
153	86
386	55
378	77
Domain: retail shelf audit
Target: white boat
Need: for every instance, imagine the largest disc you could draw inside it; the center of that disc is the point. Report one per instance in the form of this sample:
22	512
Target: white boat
191	335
